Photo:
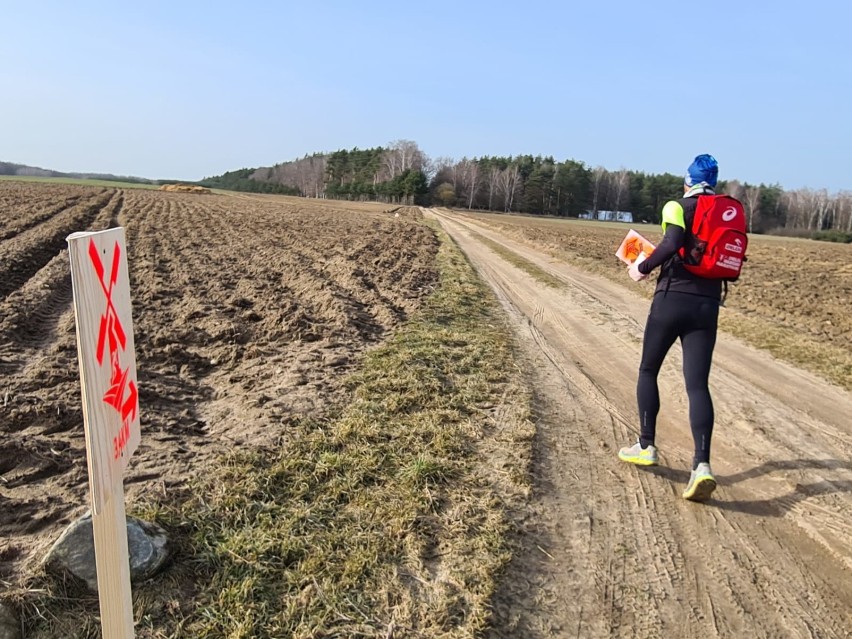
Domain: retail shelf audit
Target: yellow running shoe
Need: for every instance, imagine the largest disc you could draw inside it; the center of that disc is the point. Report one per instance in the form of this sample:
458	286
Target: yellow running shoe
701	484
635	454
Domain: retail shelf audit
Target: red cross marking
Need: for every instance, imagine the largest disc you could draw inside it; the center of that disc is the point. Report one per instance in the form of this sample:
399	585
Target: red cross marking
110	327
122	394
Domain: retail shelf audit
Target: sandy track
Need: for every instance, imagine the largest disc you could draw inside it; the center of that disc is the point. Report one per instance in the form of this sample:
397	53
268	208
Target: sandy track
613	550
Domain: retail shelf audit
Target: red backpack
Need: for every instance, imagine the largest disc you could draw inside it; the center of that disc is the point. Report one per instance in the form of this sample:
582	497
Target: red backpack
716	245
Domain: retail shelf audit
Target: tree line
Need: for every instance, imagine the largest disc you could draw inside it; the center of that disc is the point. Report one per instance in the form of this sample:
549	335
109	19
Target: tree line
23	170
241	180
535	185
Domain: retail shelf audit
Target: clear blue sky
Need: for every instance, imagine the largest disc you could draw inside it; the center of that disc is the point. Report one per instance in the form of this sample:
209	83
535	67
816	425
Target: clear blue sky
191	89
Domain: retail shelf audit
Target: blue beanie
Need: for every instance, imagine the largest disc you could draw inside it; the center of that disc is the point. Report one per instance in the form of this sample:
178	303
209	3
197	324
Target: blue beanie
703	169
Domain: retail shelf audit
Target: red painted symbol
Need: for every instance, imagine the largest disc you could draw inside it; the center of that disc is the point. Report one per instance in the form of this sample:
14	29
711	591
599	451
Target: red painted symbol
110	322
122	394
634	248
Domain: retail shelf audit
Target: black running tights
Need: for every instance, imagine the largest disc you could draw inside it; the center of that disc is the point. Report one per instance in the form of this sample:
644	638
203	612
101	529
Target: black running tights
693	319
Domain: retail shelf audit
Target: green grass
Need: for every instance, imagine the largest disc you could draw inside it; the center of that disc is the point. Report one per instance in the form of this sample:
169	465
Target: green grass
386	518
516	260
800	349
78	181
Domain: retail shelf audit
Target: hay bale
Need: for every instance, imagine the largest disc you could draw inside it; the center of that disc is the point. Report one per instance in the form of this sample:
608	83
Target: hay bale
184	188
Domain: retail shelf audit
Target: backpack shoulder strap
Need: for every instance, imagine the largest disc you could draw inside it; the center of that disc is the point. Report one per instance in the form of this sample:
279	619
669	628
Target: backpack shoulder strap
692	208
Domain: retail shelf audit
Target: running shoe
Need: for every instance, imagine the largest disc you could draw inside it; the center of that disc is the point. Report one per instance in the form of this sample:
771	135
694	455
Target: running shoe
701	484
635	454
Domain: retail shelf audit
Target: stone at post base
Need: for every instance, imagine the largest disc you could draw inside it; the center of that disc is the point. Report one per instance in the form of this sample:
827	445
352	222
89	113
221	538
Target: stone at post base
10	625
74	551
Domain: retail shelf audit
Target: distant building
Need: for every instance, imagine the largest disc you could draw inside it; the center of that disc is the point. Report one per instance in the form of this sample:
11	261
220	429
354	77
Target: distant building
609	216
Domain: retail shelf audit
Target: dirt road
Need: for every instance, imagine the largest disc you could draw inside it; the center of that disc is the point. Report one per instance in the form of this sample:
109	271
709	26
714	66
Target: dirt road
612	550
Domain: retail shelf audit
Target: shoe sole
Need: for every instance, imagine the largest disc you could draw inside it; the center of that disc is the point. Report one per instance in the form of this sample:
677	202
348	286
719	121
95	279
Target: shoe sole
702	490
638	461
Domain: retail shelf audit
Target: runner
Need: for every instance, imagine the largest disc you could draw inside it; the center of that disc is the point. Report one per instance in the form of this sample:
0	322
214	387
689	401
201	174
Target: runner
685	306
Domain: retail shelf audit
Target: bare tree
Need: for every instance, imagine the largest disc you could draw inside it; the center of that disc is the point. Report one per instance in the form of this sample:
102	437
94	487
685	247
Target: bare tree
493	185
508	185
457	177
263	174
390	165
792	201
599	176
400	156
830	217
431	168
473	183
752	199
844	211
818	203
621	185
735	189
467	176
317	175
439	168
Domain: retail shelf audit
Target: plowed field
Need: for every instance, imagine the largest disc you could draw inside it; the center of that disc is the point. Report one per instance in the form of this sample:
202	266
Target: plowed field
247	311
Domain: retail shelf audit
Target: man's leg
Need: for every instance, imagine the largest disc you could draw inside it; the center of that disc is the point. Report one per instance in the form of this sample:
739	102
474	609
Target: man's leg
660	334
698	344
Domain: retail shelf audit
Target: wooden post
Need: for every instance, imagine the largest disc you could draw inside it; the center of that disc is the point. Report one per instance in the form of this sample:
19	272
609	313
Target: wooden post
107	359
112	560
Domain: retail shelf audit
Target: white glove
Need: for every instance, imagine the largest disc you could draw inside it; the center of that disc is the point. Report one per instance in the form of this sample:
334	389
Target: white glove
633	269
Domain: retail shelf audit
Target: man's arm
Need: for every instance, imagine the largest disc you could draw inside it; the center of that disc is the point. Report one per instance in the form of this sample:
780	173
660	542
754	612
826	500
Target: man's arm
674	228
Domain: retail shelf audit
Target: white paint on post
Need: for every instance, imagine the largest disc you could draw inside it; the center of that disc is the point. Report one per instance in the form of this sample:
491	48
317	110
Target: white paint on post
107	359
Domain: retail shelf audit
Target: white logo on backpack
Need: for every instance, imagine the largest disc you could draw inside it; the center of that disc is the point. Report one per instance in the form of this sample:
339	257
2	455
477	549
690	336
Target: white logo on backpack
729	214
737	247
